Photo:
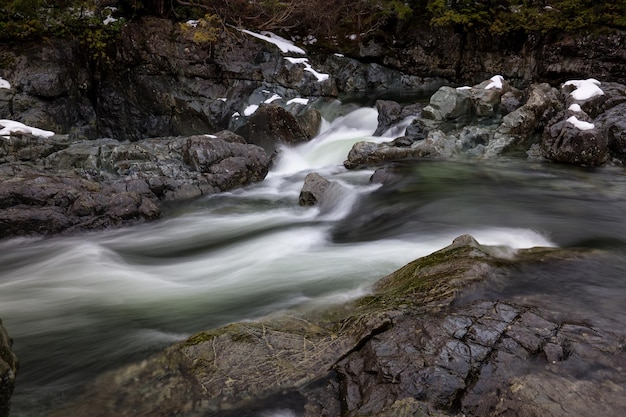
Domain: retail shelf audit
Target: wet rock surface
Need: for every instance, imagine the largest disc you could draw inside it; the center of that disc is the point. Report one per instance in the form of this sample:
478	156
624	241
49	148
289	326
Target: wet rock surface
564	141
492	119
54	185
8	371
313	190
272	125
427	341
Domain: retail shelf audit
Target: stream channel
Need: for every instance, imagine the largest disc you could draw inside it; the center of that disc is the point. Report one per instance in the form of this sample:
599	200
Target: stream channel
79	305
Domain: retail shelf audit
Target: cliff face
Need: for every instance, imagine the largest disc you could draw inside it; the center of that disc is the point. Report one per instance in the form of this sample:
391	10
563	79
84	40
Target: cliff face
520	58
155	81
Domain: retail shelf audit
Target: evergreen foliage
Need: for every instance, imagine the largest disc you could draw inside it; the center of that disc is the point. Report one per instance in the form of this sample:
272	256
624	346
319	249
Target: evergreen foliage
20	19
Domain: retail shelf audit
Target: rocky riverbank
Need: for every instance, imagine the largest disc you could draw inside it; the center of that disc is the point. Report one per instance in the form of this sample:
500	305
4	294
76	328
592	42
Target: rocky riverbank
59	184
52	186
427	341
579	123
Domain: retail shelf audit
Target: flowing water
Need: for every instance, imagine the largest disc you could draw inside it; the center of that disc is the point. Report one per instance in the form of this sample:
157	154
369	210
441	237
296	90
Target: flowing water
77	306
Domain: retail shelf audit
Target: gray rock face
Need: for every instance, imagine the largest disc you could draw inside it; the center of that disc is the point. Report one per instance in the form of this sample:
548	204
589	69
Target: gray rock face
272	125
420	344
613	124
8	371
591	131
313	190
564	140
52	186
450	104
391	112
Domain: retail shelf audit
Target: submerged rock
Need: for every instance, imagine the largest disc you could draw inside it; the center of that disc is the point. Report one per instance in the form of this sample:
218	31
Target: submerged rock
426	341
8	371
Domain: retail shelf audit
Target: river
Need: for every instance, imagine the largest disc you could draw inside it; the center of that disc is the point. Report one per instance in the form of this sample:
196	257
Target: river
79	305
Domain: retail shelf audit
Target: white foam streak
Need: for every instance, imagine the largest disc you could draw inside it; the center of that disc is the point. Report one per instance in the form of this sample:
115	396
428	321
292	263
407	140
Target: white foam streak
331	147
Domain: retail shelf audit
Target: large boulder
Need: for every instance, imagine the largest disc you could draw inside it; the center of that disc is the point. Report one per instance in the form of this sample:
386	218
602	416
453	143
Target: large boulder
52	185
272	125
427	341
370	154
8	371
520	127
592	129
391	113
450	104
437	144
573	138
36	201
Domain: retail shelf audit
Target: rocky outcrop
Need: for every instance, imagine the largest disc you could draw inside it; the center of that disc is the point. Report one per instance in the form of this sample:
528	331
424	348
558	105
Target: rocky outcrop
571	137
8	371
469	57
390	113
52	185
272	125
493	118
427	341
156	81
589	131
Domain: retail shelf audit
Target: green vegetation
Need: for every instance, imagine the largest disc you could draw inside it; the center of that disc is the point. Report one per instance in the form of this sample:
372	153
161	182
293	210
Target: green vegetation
528	15
325	19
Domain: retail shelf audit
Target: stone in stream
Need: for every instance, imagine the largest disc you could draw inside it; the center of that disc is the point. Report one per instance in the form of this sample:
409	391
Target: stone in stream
427	341
313	190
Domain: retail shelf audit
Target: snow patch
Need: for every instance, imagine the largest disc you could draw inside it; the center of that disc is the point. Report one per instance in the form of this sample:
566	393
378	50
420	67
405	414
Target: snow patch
273	98
575	107
11	126
465	87
304	61
250	109
110	18
580	124
496	82
585	89
192	23
297	60
211	136
4	83
283	44
303	101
